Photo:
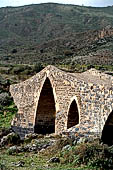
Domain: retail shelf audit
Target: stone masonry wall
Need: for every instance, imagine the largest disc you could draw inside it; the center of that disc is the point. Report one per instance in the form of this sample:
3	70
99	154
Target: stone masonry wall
92	91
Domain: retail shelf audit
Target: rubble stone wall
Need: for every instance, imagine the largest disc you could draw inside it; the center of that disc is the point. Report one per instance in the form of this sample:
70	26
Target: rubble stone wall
94	100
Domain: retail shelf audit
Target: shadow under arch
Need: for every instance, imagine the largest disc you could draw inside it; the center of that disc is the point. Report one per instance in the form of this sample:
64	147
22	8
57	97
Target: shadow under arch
73	114
107	133
46	111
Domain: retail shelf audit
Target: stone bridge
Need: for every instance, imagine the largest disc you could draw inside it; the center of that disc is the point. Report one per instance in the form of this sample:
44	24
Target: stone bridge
54	101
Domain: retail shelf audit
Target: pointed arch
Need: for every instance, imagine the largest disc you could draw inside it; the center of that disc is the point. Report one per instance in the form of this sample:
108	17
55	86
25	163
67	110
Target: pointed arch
73	114
46	111
107	133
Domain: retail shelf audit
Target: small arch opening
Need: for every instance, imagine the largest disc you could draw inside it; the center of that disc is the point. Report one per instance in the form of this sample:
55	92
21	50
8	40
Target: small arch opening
73	115
107	133
45	115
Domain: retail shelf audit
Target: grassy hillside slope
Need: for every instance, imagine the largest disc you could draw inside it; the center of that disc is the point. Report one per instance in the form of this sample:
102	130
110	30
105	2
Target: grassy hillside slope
47	21
51	33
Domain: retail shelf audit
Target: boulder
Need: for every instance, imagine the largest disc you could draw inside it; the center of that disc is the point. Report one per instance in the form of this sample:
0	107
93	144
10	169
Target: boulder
12	150
4	132
11	138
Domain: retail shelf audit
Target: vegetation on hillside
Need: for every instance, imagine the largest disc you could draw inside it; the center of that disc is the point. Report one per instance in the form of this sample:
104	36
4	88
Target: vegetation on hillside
54	34
73	38
43	22
56	153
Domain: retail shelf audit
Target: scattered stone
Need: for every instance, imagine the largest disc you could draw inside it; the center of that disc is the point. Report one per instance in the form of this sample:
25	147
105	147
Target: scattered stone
42	150
89	139
75	142
21	149
11	138
31	136
33	148
20	164
67	147
33	164
12	150
46	145
54	160
5	132
3	141
80	140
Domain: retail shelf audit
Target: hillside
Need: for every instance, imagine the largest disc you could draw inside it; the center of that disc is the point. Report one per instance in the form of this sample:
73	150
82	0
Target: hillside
74	38
54	34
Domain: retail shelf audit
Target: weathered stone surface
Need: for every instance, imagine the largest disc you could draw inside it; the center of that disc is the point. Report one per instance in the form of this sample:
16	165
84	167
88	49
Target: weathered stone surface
4	132
44	102
11	138
20	164
54	160
67	147
12	150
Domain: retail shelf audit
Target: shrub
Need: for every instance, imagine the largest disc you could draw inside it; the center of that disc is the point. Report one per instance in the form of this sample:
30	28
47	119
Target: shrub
14	51
1	108
4	132
10	139
3	81
90	154
13	139
5	99
38	67
68	53
17	70
3	166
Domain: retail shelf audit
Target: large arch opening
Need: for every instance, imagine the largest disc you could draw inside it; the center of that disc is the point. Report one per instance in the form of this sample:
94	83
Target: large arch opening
73	115
107	133
45	115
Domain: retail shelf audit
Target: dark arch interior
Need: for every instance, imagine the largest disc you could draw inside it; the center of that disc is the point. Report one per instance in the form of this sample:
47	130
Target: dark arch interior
45	116
107	133
73	115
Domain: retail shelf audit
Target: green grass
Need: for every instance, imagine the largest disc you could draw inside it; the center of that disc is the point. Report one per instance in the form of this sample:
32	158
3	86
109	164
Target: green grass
83	67
5	120
31	161
84	156
35	162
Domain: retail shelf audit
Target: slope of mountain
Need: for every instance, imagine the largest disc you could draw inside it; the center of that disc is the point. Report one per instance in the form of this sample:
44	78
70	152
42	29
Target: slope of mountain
52	33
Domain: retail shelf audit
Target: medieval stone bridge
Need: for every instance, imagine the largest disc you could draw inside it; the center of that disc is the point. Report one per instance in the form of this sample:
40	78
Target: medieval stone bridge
54	101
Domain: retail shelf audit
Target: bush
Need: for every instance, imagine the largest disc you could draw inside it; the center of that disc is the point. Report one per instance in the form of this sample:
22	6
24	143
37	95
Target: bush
17	70
3	166
14	51
13	139
3	81
1	108
90	154
5	99
4	132
10	139
68	53
38	67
